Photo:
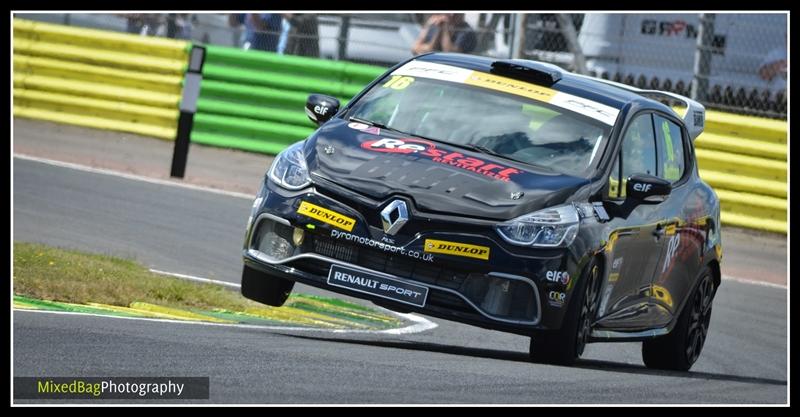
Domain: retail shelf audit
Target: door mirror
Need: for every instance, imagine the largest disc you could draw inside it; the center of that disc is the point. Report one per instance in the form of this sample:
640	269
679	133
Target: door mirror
647	189
320	108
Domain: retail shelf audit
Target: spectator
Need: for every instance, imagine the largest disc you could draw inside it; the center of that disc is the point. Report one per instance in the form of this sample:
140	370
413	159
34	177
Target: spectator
262	30
179	26
774	64
303	35
446	33
143	23
285	27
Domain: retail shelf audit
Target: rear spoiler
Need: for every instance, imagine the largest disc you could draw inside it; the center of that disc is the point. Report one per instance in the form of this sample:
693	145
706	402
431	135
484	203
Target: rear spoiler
695	115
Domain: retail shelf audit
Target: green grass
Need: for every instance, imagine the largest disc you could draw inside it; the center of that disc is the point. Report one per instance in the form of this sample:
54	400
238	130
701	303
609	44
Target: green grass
55	274
45	274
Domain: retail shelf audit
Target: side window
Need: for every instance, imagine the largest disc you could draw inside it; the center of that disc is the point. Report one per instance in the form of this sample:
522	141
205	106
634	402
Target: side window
638	150
670	149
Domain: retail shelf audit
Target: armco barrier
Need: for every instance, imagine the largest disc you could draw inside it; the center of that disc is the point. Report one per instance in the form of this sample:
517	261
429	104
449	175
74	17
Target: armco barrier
97	78
254	100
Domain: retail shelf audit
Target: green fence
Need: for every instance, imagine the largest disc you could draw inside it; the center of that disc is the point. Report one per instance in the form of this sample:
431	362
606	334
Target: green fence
254	100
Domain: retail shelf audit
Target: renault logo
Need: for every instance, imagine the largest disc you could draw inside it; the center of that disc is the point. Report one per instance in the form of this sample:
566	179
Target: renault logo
394	216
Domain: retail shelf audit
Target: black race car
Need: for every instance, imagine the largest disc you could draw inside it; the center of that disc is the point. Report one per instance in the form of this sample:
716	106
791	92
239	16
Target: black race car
506	194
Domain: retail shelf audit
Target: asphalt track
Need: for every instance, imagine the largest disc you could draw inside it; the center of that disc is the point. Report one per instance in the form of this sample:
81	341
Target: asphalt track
200	233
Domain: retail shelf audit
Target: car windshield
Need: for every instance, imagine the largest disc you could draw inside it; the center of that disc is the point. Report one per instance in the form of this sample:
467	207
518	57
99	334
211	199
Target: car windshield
507	125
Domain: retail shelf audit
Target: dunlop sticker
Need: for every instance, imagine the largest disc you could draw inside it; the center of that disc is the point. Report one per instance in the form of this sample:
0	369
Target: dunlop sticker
510	85
326	216
456	249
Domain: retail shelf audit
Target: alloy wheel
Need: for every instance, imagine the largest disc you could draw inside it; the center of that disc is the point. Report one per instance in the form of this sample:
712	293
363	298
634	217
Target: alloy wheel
588	310
699	319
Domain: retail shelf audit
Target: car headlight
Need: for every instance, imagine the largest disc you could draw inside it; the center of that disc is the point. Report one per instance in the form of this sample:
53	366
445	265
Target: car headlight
550	228
289	169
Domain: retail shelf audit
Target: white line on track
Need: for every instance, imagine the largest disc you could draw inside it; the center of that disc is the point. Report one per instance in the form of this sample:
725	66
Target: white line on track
133	177
753	282
198	279
420	324
150	180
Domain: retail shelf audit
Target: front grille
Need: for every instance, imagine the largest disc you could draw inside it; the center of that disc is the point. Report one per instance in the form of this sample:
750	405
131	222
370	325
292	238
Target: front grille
390	263
329	248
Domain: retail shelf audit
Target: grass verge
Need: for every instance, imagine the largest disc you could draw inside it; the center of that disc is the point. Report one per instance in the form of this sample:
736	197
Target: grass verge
49	273
52	274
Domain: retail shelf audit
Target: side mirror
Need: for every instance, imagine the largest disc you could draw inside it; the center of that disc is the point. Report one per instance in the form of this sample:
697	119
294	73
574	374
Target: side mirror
320	108
647	189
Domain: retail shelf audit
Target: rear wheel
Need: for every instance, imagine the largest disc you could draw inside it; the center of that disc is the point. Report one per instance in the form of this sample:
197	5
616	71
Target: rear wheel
266	289
564	346
680	349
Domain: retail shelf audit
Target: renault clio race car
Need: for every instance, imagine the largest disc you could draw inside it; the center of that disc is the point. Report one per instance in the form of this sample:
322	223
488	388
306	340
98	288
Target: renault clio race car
506	194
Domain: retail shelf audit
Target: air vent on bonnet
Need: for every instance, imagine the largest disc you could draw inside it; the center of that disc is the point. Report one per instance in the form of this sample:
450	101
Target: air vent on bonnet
522	69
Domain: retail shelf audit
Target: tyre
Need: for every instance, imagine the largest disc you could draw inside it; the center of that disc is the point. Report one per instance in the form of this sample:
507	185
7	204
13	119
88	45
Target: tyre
266	289
679	349
564	346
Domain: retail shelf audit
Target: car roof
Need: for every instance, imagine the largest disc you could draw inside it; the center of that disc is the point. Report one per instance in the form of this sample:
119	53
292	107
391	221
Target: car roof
570	83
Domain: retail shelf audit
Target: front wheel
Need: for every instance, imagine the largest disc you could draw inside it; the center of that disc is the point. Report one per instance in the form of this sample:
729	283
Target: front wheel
269	290
679	349
566	345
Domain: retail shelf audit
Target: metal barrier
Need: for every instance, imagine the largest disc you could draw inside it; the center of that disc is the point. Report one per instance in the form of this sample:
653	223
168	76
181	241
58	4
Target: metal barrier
253	100
97	78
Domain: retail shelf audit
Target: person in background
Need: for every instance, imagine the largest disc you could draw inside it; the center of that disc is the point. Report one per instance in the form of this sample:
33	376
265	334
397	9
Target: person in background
773	65
285	27
134	23
145	24
773	69
446	33
262	30
179	26
303	36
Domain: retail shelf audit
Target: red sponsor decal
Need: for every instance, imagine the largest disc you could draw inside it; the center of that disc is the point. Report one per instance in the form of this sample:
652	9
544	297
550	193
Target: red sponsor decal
428	149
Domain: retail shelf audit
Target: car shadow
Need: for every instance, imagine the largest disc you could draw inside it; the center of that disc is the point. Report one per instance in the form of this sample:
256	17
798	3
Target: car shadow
504	355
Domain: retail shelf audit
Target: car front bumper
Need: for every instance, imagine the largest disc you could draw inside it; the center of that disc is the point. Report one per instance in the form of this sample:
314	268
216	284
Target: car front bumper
508	290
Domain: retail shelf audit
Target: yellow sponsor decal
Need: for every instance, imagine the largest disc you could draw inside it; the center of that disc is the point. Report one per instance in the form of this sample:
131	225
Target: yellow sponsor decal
510	85
398	82
456	249
326	216
611	241
660	293
670	230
